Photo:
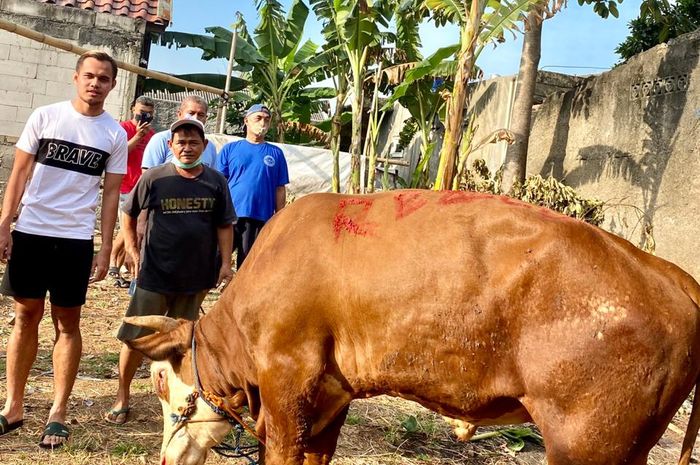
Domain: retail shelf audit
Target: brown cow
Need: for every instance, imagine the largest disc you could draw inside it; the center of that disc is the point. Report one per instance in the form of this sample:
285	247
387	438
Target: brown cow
479	307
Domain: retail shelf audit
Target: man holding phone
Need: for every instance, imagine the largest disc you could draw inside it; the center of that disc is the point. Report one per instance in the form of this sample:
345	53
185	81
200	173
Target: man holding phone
138	132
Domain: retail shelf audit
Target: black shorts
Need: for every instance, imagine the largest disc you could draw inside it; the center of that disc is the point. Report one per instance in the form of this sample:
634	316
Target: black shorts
57	265
145	302
245	231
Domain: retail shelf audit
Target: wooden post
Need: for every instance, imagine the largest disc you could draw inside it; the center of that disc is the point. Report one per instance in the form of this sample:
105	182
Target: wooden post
67	46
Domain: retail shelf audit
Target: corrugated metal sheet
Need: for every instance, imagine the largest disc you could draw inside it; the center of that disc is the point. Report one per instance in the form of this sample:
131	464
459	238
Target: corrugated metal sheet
153	11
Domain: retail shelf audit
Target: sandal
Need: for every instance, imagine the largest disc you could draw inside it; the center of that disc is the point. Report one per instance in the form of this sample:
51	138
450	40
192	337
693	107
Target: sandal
6	427
54	429
121	282
113	415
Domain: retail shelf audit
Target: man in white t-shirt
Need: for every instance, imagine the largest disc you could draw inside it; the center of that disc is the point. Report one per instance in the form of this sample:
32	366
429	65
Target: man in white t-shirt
64	148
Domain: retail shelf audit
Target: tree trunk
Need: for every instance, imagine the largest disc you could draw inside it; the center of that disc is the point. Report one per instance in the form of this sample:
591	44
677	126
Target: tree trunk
373	131
357	60
356	142
455	106
336	125
516	156
278	125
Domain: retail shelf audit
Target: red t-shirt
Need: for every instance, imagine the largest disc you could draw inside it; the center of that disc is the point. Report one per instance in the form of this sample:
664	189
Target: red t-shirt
133	164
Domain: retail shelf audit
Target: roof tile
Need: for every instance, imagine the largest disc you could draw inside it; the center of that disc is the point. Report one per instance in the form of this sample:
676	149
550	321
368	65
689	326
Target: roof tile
145	9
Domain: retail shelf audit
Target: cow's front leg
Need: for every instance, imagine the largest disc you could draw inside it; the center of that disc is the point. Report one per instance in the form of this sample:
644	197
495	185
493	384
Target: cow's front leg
285	428
284	441
320	448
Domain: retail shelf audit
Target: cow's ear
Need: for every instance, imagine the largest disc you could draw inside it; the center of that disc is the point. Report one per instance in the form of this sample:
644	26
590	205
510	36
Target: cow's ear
160	381
163	346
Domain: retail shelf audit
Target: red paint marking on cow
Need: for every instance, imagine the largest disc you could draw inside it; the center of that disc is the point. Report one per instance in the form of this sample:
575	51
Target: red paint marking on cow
544	212
407	203
453	197
354	224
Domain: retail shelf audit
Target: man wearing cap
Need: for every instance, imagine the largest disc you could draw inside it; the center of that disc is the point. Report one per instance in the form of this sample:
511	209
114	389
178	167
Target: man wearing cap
256	172
189	213
158	151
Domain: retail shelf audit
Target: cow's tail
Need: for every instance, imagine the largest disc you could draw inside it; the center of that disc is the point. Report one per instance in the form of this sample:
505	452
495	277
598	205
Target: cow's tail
691	431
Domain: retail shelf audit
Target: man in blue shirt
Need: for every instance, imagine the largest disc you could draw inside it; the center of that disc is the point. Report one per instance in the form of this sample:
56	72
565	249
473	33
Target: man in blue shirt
256	172
157	151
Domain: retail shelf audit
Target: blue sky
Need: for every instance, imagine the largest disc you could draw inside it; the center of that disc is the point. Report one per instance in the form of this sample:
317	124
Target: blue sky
575	41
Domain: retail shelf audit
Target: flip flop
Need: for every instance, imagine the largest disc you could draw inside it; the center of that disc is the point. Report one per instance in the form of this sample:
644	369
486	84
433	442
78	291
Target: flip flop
121	282
54	429
115	414
6	427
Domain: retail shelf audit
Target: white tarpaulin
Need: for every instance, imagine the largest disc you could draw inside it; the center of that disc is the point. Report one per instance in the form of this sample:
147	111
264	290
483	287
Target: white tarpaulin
310	168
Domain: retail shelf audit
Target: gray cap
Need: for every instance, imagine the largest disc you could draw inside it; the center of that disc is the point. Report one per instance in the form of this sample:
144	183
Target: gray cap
187	121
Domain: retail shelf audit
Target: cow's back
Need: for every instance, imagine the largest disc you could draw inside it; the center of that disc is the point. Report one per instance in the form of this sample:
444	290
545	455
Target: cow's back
474	305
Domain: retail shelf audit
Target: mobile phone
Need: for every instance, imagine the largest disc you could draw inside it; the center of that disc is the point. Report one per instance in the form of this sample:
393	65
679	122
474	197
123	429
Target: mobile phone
144	117
132	287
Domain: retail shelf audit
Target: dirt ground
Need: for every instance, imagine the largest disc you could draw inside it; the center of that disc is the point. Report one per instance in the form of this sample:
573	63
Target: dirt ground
382	430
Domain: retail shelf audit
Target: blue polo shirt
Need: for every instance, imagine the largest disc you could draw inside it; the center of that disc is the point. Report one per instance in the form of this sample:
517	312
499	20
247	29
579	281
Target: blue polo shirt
157	151
253	172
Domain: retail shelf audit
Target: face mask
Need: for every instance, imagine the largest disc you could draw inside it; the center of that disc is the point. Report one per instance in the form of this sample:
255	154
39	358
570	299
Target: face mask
260	130
186	166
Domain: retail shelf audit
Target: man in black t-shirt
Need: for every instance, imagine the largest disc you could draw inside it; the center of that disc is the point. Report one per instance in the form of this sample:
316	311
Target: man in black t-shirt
189	212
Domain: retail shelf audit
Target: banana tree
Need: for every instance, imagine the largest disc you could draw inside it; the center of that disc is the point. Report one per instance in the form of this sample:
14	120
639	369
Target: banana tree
287	69
337	68
357	24
419	90
480	22
278	64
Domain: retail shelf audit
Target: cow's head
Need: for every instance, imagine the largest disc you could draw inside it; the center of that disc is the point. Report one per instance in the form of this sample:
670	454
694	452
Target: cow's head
188	434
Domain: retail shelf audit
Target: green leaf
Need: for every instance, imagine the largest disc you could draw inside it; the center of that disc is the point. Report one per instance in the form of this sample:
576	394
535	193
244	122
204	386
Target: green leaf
453	10
421	166
514	444
318	92
213	80
501	18
410	424
345	118
613	10
211	46
307	51
245	51
275	36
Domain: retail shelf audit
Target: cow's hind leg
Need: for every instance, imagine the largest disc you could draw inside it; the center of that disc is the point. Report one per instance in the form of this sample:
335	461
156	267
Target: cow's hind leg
321	447
590	439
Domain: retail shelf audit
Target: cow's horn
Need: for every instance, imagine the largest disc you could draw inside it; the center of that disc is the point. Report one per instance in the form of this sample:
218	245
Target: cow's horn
162	324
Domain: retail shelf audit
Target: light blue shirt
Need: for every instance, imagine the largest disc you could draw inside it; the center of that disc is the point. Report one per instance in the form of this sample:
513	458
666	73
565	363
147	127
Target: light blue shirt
157	151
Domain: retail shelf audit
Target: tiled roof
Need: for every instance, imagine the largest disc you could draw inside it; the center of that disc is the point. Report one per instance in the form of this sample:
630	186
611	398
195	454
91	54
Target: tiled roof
145	9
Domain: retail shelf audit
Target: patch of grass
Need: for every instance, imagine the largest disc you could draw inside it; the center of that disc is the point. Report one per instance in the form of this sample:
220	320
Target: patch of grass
128	449
393	436
354	419
86	443
99	365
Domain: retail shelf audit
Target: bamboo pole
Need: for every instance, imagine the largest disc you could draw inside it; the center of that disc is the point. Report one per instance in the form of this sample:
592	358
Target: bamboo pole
229	70
67	46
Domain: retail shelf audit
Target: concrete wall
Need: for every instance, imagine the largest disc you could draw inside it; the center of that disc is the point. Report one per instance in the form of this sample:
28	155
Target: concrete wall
33	74
631	137
493	101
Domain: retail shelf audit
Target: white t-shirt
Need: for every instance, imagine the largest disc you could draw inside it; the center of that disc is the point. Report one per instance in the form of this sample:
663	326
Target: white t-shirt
71	151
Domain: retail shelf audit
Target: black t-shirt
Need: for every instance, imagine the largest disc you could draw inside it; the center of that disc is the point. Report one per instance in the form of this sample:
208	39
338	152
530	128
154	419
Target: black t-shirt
179	249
